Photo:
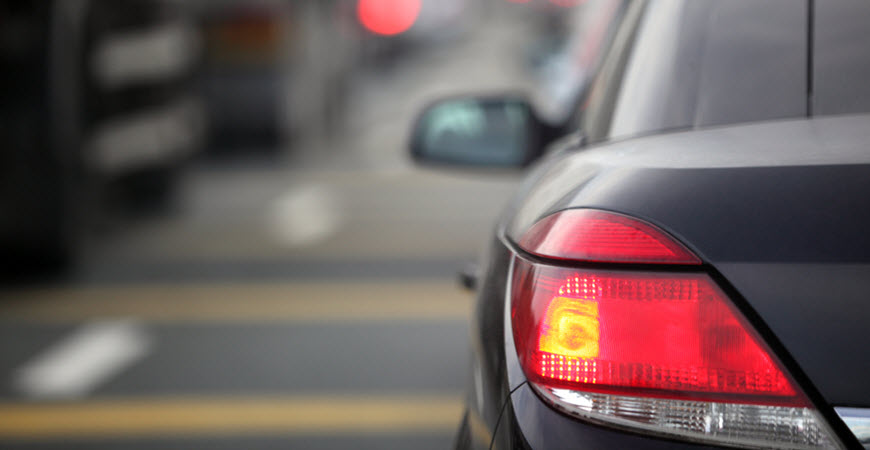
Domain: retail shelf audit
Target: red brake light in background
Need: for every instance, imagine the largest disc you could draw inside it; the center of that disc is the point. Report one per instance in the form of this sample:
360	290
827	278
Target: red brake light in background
602	236
388	17
656	348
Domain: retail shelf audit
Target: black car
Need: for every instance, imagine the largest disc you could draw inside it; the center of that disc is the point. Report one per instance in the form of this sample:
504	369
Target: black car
690	267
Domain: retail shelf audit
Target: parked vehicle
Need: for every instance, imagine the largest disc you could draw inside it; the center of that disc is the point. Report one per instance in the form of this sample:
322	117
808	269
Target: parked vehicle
94	93
690	268
245	72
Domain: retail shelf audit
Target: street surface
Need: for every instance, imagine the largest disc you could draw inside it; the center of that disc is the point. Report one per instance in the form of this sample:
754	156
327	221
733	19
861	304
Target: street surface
216	329
303	302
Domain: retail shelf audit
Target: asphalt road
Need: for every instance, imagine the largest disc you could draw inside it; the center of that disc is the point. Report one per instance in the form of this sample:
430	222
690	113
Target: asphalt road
229	322
265	365
306	303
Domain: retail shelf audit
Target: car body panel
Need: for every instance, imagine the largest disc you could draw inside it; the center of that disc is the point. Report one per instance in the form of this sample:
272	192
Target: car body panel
770	194
787	230
725	154
488	389
675	166
821	313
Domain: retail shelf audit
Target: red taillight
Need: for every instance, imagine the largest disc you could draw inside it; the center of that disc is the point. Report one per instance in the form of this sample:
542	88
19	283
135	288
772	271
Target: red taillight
669	335
602	236
654	346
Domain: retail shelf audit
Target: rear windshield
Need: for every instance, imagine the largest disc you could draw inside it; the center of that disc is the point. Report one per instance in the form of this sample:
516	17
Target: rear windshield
841	57
688	64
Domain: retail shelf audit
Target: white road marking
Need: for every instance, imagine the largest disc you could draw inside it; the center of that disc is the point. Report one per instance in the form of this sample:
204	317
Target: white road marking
75	366
306	215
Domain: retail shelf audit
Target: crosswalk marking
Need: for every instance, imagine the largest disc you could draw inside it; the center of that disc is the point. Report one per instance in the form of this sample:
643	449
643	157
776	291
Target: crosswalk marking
76	365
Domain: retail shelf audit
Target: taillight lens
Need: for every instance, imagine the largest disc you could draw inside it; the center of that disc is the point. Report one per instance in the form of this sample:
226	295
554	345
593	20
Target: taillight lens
659	350
620	332
603	236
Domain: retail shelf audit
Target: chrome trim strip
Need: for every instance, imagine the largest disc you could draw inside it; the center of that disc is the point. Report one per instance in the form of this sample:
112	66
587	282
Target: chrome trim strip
858	420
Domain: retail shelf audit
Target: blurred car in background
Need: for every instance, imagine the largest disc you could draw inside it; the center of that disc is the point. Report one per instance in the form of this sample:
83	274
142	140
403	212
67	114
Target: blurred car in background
243	77
275	73
96	100
692	272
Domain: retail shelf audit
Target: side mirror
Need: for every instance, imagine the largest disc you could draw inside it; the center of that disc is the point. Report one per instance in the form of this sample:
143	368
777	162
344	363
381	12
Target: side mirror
497	132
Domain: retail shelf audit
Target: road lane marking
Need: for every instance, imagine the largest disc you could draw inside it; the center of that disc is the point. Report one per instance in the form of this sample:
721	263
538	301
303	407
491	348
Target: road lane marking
286	302
231	416
305	216
92	354
479	430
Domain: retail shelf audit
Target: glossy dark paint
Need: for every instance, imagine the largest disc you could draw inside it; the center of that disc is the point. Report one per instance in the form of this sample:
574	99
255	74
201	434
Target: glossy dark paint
786	238
488	386
821	313
788	230
777	209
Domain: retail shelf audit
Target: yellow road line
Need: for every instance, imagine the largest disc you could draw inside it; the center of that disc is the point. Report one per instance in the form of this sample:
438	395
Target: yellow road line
309	302
479	431
231	416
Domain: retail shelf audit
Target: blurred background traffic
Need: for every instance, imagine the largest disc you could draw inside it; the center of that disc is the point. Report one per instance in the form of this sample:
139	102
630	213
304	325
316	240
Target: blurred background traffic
212	232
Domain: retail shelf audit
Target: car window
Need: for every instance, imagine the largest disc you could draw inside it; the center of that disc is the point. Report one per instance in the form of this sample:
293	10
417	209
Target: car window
565	76
688	64
601	98
841	63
